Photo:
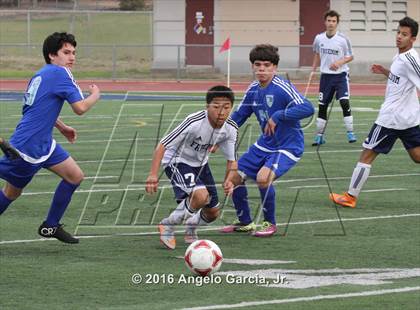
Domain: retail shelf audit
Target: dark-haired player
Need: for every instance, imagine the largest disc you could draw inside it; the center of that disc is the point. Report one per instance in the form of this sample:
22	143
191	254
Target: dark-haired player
279	107
184	155
399	116
332	53
33	138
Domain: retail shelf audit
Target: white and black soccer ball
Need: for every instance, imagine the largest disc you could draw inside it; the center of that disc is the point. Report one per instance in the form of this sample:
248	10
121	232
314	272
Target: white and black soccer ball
203	257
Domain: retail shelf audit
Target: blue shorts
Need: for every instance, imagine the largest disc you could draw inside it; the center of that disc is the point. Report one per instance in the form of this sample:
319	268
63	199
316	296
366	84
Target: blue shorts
333	83
382	139
19	172
254	159
185	179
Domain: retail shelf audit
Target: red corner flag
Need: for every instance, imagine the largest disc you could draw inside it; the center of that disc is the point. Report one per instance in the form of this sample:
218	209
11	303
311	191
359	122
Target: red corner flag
225	46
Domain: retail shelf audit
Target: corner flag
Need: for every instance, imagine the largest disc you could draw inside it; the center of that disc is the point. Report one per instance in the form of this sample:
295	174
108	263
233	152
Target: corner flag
225	46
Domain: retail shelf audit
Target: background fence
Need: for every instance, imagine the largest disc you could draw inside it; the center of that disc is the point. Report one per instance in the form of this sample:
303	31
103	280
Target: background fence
119	45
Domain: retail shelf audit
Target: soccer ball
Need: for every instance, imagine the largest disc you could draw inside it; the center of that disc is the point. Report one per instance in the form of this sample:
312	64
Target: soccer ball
203	257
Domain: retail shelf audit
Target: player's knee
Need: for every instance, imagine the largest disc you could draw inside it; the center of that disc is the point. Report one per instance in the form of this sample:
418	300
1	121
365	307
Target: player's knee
200	198
414	154
263	182
265	178
211	214
345	106
79	177
12	194
415	157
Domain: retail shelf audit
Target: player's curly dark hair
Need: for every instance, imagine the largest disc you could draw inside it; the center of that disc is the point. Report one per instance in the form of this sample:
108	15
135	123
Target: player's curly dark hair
54	42
410	23
265	52
220	91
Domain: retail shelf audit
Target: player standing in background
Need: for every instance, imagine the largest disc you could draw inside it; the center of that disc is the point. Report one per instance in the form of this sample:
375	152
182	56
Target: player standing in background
399	116
332	52
279	107
184	154
33	140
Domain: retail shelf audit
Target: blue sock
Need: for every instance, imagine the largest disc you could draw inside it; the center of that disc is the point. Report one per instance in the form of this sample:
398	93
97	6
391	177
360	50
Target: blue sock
4	202
240	201
61	200
268	197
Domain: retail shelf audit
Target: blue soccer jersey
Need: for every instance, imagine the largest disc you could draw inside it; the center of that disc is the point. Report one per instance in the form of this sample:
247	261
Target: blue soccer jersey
42	103
285	105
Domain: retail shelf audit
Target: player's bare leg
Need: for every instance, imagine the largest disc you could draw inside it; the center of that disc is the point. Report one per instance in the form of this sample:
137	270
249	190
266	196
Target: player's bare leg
8	195
11	191
415	154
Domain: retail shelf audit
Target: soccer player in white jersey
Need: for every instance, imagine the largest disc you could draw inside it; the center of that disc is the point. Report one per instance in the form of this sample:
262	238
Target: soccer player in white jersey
184	154
399	116
33	142
332	52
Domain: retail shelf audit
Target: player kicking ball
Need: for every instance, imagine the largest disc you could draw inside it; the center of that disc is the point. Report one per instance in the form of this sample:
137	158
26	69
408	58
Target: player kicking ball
32	145
184	154
278	107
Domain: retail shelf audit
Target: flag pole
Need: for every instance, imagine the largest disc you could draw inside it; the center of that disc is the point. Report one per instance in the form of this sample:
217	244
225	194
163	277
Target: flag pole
228	68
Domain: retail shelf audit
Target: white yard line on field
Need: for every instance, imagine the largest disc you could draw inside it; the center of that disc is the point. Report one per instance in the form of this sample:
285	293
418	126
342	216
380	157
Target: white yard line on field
305	299
212	228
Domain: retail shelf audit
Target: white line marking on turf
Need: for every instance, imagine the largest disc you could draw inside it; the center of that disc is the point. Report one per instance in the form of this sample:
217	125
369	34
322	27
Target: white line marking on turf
309	298
214	228
252	262
276	182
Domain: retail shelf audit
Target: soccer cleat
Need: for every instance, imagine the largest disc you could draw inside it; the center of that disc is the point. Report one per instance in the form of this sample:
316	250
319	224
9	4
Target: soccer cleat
267	230
351	137
345	200
8	150
56	232
237	226
190	234
167	236
318	140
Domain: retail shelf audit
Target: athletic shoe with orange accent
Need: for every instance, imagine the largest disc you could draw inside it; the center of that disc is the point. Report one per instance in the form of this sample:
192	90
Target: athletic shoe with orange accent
167	236
345	200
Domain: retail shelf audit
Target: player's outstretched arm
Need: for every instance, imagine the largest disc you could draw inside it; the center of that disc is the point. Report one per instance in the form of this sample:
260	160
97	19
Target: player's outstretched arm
379	69
152	180
82	106
69	132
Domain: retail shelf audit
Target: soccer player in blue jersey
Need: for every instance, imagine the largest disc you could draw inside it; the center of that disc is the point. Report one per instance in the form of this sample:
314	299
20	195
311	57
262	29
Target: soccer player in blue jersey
278	107
33	140
333	52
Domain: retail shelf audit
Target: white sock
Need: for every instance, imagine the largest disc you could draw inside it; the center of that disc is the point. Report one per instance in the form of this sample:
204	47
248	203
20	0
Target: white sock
320	126
348	122
358	179
198	219
181	212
